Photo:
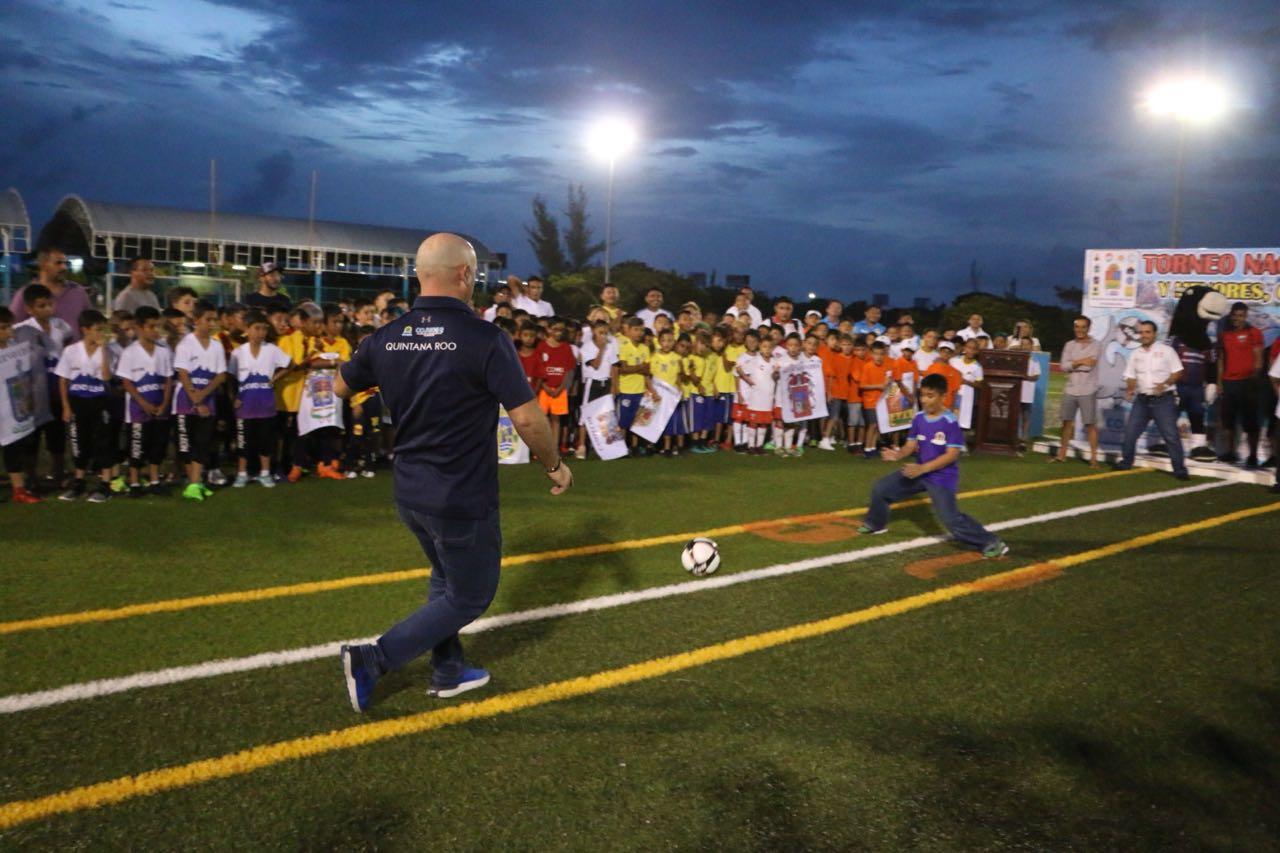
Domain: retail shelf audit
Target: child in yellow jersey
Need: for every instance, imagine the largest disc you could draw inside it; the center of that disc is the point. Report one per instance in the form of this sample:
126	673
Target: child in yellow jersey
633	377
366	424
700	368
307	322
664	366
725	386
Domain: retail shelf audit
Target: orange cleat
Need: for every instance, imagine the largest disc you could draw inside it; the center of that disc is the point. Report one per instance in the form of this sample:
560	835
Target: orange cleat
328	472
295	474
22	496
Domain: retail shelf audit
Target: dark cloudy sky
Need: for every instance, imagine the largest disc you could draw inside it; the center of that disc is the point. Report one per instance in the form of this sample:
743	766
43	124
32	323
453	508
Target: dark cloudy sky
840	147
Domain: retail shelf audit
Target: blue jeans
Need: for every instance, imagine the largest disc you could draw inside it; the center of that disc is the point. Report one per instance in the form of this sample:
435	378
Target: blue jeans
466	557
1163	409
898	486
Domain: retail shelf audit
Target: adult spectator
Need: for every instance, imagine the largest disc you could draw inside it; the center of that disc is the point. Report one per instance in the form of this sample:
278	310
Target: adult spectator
1080	363
501	296
974	329
1023	329
529	299
443	391
835	308
139	293
742	305
1150	376
1241	347
813	319
267	297
870	322
69	298
653	298
609	301
383	300
783	309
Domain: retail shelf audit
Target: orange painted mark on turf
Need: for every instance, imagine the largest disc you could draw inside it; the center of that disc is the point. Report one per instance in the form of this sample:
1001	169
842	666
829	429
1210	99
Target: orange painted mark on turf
807	533
930	568
1039	573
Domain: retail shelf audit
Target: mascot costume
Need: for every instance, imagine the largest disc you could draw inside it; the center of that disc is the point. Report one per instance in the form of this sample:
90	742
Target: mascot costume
1199	308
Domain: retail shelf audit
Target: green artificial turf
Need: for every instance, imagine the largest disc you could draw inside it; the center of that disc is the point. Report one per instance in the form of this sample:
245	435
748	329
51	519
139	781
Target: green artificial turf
1128	703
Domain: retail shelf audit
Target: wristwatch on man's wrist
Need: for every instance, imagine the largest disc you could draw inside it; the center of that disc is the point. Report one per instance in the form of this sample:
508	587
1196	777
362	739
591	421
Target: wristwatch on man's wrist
556	467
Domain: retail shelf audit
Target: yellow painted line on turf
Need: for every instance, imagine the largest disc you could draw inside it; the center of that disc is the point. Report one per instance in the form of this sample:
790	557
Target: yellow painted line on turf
172	605
260	757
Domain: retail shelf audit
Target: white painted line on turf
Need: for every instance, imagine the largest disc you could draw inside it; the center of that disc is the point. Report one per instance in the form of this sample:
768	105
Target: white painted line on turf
227	666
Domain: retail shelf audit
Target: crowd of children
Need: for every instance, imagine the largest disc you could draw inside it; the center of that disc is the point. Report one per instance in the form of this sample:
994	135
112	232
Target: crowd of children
154	401
150	401
729	374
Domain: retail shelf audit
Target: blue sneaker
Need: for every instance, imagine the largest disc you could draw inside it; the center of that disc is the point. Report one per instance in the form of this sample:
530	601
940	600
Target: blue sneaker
360	676
470	678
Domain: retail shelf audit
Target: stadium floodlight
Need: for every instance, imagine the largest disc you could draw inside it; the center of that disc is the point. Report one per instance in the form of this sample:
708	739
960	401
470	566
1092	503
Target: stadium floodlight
1189	100
812	295
609	139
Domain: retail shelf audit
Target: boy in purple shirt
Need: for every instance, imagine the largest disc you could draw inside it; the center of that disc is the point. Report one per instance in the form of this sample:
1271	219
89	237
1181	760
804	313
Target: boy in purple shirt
936	439
254	368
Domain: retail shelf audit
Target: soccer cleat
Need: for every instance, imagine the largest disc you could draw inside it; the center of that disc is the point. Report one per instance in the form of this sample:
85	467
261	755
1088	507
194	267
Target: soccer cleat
360	676
865	529
368	474
295	474
137	490
350	475
266	481
215	477
100	495
205	490
193	492
470	678
75	493
997	548
22	496
119	484
242	480
328	471
826	444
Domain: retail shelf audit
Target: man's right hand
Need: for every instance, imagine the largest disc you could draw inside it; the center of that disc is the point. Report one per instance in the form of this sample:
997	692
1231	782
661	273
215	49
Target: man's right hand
562	478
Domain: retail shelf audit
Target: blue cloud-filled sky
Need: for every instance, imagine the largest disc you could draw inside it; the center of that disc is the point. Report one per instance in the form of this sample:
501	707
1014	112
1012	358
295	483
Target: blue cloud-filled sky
843	147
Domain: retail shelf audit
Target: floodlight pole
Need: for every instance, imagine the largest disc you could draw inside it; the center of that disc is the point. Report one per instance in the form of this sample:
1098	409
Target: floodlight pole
1175	229
608	221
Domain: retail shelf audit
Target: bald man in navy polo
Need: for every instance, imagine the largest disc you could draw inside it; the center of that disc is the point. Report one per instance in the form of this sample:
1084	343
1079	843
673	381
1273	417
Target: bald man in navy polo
442	373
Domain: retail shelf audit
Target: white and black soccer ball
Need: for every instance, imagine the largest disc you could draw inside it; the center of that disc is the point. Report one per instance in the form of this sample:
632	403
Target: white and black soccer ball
701	556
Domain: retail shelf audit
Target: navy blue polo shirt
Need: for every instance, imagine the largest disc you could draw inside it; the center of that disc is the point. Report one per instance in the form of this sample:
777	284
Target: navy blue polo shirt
442	372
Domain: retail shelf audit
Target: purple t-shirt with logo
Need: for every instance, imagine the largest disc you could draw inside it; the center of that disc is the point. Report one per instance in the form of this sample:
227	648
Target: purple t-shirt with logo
933	436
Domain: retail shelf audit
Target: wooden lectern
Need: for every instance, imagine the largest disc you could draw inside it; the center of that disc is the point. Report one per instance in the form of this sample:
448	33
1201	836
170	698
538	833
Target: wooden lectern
999	402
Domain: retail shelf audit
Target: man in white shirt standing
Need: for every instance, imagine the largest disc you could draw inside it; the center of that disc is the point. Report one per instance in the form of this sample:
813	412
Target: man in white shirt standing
1150	376
742	305
973	329
530	299
653	307
783	311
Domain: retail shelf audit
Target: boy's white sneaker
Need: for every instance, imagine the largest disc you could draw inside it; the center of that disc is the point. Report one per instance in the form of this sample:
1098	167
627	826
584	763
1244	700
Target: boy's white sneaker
826	444
242	480
266	481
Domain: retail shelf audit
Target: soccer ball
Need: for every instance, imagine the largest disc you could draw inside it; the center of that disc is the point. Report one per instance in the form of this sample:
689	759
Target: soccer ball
701	556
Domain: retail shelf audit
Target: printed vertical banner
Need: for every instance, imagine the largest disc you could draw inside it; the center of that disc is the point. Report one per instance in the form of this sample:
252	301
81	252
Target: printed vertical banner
319	407
801	394
653	414
511	448
601	422
897	406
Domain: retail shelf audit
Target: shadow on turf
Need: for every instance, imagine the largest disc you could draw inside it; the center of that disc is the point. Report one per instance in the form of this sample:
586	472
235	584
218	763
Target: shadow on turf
1179	782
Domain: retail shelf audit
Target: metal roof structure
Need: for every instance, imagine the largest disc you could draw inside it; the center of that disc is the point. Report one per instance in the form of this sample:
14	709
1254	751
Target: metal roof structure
108	230
15	225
